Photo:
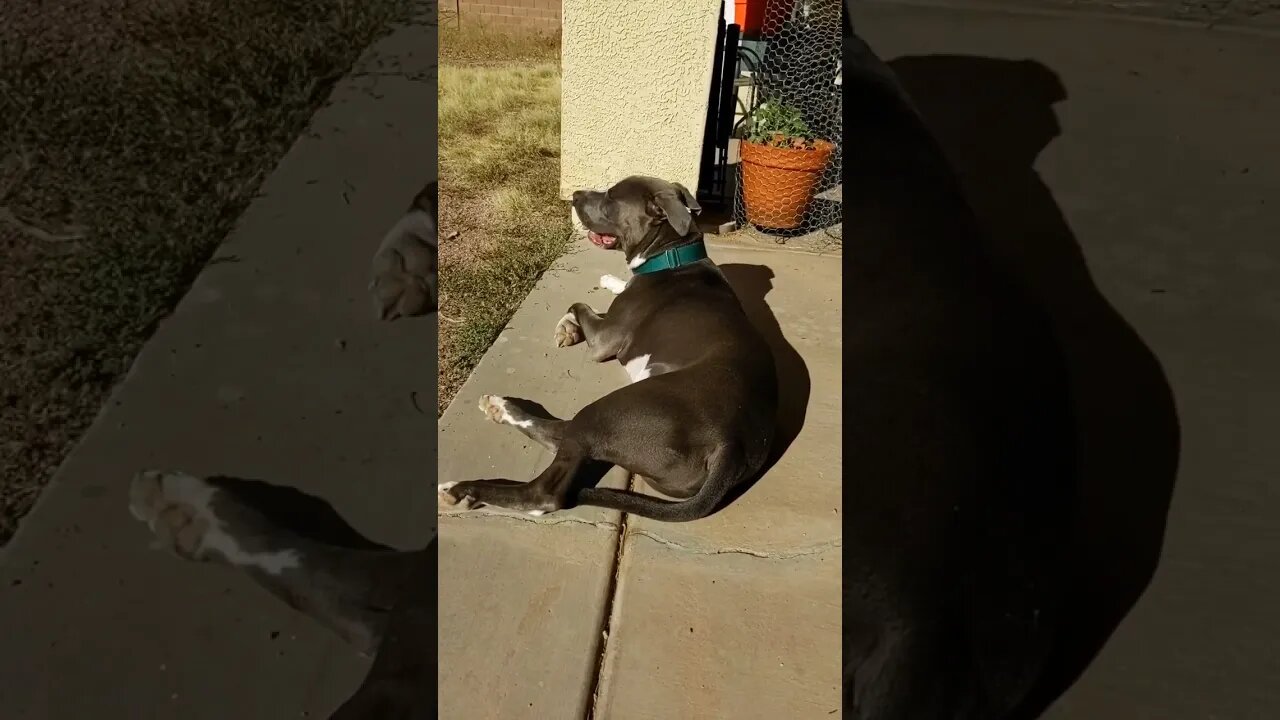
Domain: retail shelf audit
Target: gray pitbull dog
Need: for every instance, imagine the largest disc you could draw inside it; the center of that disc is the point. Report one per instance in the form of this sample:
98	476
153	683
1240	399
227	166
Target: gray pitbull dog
698	418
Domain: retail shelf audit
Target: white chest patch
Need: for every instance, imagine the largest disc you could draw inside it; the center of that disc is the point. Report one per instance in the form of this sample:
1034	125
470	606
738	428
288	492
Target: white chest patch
637	368
636	262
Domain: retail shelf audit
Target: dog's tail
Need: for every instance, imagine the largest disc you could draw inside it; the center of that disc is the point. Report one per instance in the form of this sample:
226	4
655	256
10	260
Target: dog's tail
702	504
653	508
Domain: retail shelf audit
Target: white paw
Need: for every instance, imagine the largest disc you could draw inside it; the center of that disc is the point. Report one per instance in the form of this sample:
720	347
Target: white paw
613	284
445	500
494	407
568	332
497	409
169	503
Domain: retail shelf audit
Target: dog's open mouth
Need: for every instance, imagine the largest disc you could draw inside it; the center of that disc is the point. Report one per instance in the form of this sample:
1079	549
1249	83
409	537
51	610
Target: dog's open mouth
604	241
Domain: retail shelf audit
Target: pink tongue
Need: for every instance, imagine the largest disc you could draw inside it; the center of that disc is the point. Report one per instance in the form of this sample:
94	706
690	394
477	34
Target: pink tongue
604	241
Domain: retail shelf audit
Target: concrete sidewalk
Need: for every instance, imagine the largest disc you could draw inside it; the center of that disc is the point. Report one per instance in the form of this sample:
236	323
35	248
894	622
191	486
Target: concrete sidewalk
272	367
1126	171
692	621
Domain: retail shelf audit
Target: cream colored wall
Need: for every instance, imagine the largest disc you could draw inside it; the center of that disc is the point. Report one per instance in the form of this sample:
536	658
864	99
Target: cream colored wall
634	90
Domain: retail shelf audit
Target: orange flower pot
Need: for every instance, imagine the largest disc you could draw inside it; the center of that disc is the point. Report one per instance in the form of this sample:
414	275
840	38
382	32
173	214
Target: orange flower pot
778	183
749	15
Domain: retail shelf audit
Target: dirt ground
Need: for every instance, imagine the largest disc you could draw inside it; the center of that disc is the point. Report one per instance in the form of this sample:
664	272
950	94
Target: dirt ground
132	134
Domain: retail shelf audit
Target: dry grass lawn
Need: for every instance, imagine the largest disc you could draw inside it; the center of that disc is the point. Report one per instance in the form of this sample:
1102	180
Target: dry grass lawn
132	135
502	223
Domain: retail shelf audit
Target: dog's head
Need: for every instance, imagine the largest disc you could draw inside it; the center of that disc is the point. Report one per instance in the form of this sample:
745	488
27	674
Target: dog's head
639	215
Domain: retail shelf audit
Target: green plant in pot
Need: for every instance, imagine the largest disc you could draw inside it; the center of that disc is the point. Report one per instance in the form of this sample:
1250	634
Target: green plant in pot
782	163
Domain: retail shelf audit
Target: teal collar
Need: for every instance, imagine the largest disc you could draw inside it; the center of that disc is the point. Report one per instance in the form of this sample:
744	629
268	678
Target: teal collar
673	258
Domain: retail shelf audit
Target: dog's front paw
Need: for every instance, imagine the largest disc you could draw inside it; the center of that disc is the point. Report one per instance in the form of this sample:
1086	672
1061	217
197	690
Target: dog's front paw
405	267
613	284
568	331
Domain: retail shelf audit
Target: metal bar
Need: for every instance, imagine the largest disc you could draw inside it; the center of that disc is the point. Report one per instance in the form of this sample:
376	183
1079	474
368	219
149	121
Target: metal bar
728	96
706	171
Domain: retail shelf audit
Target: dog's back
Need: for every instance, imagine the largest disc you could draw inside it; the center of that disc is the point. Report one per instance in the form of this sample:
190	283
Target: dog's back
957	435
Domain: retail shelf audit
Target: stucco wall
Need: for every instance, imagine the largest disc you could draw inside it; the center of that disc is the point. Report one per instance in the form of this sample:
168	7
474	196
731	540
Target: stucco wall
634	90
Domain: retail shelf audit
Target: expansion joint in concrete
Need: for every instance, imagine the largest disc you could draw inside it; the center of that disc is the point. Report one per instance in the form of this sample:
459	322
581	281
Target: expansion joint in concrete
611	597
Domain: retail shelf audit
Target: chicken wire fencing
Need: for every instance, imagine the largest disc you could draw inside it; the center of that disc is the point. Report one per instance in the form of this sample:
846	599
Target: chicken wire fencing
788	177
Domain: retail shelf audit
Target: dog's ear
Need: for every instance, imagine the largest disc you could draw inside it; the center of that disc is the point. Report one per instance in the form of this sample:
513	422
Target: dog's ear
672	206
690	201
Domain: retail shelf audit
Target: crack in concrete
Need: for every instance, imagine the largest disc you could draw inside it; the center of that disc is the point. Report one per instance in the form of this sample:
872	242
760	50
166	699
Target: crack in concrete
780	554
784	554
604	525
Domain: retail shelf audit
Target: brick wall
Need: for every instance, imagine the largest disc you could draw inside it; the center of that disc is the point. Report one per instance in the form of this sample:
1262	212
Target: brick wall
540	15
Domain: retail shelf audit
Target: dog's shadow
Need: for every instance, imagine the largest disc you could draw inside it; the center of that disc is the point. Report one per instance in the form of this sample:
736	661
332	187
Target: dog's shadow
993	118
752	283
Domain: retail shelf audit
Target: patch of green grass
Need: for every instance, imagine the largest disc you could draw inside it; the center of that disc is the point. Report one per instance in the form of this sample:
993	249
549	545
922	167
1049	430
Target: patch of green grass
499	191
495	283
153	143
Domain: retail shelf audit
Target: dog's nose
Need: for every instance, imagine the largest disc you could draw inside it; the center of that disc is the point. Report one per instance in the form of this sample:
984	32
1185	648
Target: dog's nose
578	195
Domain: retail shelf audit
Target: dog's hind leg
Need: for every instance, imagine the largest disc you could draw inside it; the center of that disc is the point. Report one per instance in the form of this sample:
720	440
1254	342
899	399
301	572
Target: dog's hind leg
324	570
546	431
546	493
